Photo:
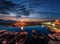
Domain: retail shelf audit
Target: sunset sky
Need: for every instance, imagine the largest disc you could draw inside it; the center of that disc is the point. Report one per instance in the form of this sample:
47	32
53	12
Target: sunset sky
43	9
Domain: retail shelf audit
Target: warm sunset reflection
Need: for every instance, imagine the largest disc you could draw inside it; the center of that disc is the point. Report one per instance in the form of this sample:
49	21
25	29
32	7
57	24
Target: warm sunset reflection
20	24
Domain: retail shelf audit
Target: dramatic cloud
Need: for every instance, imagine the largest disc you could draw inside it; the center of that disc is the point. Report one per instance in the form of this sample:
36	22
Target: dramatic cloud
6	7
45	9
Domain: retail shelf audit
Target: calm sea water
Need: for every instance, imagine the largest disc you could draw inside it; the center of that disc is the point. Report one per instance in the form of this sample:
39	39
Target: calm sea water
39	29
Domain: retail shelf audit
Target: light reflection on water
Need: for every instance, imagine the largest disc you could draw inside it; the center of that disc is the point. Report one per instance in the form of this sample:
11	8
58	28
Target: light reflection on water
40	29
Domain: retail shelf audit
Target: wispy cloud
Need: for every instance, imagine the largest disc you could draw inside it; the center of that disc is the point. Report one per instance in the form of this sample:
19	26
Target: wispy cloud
43	9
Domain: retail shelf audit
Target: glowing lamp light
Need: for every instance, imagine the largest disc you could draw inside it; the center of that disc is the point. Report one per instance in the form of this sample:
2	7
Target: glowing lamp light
57	20
53	24
48	23
55	28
